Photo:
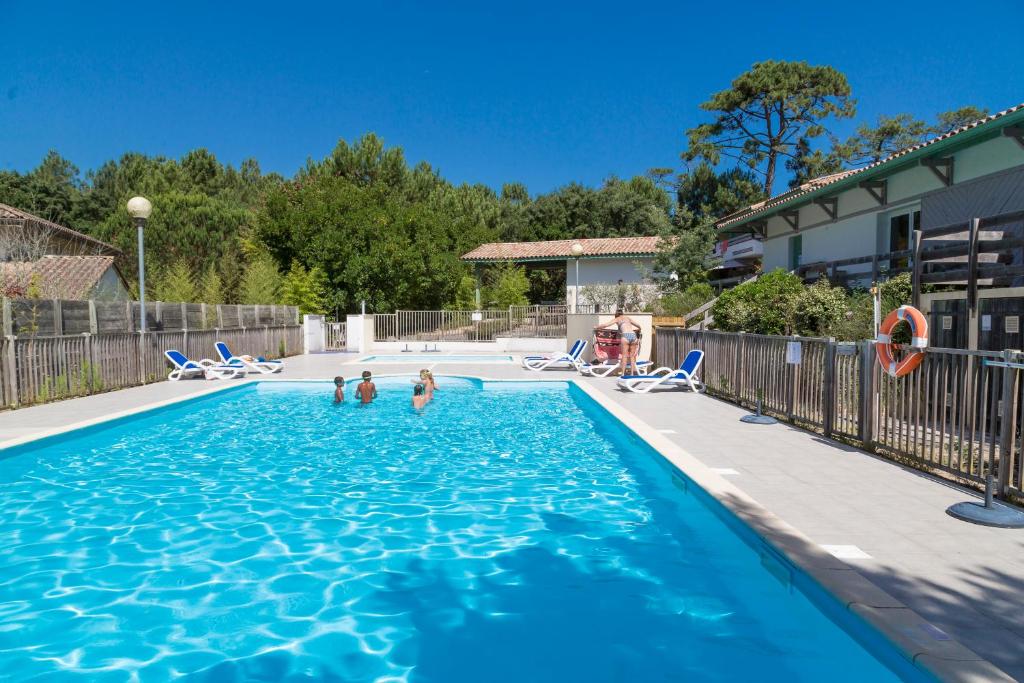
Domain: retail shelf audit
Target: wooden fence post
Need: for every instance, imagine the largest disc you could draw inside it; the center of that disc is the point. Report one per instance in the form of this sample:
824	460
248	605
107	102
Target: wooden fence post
1007	424
866	403
220	316
58	318
737	367
159	314
8	318
828	402
93	325
12	362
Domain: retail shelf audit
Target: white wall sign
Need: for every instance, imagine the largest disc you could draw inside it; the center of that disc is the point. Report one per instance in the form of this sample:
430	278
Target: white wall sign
1012	324
477	317
986	323
793	351
947	322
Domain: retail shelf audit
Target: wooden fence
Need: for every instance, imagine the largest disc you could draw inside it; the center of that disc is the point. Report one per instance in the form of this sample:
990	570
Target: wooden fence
41	368
55	317
960	413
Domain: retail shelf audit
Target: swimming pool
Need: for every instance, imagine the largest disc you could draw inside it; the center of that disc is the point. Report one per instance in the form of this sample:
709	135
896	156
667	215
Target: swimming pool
428	358
509	532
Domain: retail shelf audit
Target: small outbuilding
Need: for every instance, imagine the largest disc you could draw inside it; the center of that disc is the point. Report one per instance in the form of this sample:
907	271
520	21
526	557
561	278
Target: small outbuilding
595	271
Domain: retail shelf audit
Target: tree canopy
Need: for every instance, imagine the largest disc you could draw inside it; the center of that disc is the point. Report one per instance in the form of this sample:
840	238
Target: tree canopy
768	109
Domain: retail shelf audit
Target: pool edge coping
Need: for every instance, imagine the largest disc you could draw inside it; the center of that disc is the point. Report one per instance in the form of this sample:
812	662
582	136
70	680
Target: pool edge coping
127	412
905	629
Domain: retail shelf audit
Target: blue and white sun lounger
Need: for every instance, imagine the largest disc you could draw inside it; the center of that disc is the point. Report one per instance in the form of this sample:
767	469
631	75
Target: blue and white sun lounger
206	368
260	364
686	375
561	361
608	367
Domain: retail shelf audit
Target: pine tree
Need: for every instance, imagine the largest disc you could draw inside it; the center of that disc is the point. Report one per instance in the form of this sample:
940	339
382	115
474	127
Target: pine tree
261	282
176	283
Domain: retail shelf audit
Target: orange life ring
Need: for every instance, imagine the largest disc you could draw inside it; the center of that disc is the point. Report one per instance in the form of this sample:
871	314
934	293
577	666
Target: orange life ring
885	348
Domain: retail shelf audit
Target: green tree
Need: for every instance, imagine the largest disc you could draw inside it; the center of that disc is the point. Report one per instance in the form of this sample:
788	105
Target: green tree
261	282
176	282
889	135
306	289
948	121
760	118
465	294
211	287
702	196
508	286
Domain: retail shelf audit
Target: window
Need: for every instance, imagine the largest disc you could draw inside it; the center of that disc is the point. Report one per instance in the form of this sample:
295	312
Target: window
796	251
901	227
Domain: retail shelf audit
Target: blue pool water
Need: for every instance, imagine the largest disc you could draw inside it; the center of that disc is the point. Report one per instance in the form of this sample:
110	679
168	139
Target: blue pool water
428	358
507	533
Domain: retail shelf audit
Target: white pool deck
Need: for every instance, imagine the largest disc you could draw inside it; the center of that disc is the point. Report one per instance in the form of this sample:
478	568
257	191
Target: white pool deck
836	511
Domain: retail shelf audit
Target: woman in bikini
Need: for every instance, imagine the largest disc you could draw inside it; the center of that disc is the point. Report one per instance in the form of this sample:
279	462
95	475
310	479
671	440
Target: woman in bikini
629	339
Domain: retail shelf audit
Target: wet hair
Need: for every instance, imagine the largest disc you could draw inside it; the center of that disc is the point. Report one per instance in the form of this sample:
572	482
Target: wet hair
618	311
417	390
366	374
424	373
339	380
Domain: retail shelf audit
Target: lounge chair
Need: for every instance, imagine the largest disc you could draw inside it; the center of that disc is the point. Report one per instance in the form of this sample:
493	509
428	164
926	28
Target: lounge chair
260	364
206	368
684	375
607	367
560	361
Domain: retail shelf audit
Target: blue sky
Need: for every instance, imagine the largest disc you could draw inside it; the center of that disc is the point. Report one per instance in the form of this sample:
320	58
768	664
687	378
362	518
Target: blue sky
540	92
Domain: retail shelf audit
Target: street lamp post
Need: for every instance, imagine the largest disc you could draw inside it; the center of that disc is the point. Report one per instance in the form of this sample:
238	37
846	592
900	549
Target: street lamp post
577	251
140	208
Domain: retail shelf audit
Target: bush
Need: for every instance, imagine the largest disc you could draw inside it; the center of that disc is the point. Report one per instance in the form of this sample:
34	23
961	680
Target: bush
820	309
681	303
763	306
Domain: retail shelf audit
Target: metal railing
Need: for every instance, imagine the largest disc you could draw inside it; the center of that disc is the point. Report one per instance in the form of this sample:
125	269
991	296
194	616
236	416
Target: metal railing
959	413
38	369
335	336
471	326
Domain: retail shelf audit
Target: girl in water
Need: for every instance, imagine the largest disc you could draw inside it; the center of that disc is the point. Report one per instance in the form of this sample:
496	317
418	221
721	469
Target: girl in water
429	385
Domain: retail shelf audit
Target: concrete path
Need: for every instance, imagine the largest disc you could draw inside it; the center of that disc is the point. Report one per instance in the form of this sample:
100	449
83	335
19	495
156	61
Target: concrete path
887	522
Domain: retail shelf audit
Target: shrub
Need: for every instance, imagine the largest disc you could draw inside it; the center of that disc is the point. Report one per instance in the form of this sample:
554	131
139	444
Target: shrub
820	309
681	303
763	306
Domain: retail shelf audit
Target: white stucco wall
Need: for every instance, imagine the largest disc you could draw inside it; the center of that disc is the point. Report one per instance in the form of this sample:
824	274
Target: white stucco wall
606	271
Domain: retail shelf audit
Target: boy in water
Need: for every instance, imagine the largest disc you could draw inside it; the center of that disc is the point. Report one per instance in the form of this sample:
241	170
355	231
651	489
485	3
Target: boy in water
366	391
339	389
419	397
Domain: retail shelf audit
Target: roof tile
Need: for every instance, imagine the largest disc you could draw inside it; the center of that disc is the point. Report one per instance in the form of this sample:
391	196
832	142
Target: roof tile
555	249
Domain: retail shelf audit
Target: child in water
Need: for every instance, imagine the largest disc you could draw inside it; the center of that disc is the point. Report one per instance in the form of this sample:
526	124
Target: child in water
366	391
419	397
339	389
429	385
